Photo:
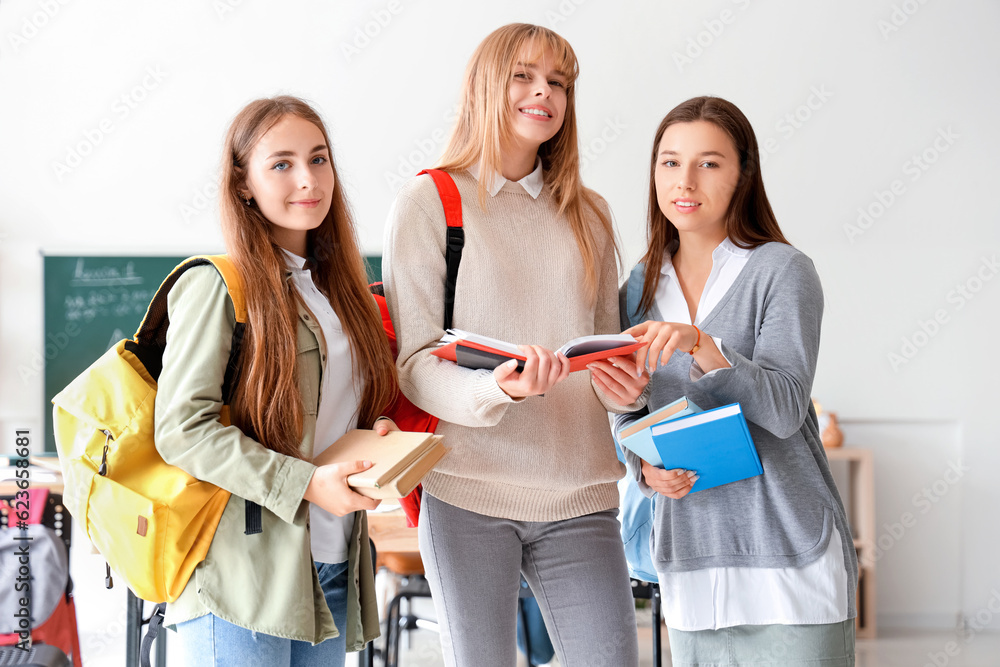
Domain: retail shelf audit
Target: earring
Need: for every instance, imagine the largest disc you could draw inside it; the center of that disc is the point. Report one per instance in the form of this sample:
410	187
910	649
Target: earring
246	200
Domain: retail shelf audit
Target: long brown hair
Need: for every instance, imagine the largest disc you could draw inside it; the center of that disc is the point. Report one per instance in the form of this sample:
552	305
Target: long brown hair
266	402
750	222
483	130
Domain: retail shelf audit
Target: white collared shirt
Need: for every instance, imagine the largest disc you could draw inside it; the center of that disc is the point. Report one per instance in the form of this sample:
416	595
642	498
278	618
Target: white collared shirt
533	183
339	397
722	597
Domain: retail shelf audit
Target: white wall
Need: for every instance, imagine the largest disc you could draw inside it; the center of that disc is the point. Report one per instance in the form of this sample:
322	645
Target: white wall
886	80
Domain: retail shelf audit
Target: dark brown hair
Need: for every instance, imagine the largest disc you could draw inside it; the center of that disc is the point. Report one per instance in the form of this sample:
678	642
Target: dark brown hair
266	402
750	222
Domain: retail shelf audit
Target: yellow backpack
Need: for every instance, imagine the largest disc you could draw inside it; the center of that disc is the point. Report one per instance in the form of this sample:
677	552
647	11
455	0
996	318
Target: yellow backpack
151	521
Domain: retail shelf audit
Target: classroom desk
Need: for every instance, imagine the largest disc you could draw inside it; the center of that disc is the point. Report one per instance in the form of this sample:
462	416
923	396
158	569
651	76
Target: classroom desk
396	546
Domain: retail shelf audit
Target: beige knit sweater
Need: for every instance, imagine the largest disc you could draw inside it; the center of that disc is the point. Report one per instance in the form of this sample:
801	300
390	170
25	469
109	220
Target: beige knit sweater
543	458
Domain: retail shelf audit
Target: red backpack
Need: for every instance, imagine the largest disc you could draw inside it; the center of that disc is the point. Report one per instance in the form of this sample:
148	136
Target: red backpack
407	416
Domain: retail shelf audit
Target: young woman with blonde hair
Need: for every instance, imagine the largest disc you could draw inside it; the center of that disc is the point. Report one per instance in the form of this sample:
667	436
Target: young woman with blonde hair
529	485
285	582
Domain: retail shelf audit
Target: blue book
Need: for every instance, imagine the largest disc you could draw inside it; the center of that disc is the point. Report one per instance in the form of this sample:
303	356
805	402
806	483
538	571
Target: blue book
716	444
637	437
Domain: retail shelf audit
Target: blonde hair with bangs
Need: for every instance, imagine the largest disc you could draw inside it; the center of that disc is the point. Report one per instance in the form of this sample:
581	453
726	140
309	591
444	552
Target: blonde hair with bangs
485	119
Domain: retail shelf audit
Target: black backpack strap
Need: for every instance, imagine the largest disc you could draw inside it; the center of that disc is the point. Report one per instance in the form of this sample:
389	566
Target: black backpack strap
452	202
155	624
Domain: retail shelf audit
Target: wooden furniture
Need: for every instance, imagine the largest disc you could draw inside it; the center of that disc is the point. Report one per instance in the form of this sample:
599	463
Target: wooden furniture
859	500
397	550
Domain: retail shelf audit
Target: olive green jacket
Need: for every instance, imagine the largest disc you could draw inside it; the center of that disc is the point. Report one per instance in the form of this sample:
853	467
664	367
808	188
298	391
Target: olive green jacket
265	582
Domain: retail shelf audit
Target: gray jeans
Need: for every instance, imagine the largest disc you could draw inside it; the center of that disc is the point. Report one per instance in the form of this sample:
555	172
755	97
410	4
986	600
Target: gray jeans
575	567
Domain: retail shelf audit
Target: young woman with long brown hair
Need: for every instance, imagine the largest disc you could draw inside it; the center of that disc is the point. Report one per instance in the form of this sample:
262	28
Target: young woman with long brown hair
285	582
762	570
529	485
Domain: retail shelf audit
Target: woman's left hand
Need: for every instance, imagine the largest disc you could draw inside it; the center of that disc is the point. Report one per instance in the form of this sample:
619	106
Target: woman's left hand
661	338
618	379
383	425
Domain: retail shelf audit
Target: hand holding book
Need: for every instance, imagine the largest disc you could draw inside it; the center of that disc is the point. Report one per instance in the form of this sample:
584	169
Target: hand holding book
619	379
394	462
477	351
329	490
541	371
679	438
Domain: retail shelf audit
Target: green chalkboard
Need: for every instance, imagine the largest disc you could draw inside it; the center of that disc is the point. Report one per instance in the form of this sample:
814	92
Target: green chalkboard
93	302
90	304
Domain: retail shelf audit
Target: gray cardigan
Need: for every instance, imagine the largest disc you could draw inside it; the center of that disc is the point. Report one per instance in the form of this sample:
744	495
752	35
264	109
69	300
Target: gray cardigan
769	323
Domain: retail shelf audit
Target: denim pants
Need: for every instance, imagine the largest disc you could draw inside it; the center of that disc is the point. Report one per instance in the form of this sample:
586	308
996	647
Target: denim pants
210	641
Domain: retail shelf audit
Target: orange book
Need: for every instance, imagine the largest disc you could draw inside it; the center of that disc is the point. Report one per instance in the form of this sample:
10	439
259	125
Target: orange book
475	351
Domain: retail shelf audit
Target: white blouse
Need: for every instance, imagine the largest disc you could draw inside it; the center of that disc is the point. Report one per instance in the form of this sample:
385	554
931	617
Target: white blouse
722	597
339	397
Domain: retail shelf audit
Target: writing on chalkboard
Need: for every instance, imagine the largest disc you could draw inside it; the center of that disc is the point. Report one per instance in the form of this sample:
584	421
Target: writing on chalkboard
104	290
104	275
111	302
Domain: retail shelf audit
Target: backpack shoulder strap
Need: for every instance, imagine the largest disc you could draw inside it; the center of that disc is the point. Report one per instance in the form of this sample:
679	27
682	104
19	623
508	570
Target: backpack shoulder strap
154	321
227	269
451	200
633	295
151	337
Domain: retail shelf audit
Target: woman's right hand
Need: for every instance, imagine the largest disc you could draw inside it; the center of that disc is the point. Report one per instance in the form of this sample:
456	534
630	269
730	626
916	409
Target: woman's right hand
542	370
674	483
328	489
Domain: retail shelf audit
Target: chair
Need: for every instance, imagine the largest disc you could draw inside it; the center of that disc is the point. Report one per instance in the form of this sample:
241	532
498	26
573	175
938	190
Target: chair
643	590
409	567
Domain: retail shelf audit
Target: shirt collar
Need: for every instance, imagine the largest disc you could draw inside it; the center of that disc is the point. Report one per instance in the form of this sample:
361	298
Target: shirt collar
721	252
731	248
293	262
533	183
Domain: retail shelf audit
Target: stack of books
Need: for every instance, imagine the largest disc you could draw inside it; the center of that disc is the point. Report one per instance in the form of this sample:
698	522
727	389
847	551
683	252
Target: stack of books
716	444
400	460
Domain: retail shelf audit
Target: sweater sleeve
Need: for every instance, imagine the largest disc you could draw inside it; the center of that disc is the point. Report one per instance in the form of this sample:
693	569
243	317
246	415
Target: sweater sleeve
773	386
607	313
188	431
414	273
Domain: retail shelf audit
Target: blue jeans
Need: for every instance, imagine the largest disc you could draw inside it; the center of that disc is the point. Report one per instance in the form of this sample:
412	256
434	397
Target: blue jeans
541	646
208	640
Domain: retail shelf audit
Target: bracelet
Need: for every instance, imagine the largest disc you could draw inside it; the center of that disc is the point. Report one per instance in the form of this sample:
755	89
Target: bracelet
697	343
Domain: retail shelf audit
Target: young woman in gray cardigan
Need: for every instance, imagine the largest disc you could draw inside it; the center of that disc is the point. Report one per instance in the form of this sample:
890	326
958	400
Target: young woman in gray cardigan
761	570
